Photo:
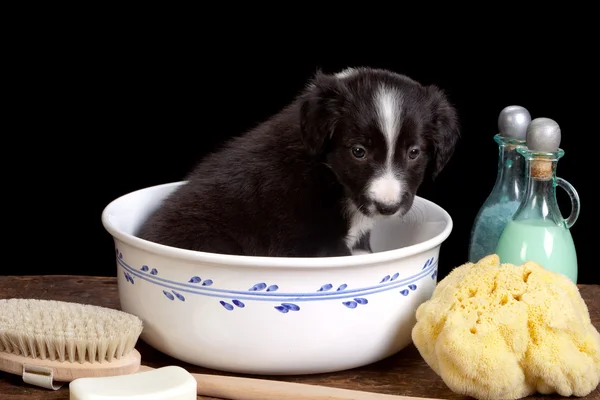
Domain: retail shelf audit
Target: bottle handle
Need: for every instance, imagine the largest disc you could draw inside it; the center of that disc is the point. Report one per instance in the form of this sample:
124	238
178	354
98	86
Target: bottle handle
574	196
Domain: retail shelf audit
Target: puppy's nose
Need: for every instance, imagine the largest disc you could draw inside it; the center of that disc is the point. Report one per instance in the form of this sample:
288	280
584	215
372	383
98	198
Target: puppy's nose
387	208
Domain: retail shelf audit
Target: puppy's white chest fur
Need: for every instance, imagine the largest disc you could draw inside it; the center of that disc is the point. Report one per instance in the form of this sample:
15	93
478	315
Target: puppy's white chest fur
359	224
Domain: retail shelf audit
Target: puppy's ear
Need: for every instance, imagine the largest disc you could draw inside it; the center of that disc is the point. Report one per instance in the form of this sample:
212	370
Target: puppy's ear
445	128
320	108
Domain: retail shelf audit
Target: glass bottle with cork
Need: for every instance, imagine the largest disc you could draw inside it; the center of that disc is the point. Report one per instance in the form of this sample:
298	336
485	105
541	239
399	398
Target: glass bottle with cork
505	197
537	231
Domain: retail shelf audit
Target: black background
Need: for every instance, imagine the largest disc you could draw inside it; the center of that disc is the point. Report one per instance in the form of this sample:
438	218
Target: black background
103	113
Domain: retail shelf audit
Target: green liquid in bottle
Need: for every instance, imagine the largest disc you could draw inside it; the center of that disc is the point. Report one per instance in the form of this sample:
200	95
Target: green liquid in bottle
541	241
538	231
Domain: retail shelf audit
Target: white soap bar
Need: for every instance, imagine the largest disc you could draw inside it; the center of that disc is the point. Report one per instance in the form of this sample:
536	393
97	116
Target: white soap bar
167	383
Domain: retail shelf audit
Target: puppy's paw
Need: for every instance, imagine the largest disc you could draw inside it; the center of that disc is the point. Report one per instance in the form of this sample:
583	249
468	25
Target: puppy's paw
359	252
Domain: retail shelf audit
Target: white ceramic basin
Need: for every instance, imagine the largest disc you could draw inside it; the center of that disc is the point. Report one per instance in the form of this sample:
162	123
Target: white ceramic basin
260	315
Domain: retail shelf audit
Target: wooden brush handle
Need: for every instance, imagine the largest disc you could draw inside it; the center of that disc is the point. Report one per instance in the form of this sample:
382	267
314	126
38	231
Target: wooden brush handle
56	371
234	388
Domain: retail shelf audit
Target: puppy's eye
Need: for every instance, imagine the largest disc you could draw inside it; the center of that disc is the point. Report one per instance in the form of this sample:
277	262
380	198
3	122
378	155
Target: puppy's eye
414	153
359	151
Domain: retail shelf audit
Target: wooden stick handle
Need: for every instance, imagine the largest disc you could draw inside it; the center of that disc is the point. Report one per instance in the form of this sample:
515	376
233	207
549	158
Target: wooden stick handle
234	388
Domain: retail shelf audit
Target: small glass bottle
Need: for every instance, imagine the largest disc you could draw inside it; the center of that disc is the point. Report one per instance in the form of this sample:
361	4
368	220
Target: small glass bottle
538	232
505	196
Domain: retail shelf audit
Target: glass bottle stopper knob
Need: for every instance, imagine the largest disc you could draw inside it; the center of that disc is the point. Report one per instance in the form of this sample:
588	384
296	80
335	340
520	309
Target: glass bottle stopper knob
543	136
513	122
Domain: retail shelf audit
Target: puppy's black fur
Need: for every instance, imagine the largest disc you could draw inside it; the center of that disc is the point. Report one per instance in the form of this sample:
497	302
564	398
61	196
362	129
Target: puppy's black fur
295	185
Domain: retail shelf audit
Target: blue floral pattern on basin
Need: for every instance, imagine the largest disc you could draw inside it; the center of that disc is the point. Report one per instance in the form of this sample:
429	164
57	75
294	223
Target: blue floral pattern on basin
231	300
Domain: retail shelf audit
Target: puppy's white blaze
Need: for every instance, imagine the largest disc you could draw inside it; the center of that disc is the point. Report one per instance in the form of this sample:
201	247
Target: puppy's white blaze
386	189
388	103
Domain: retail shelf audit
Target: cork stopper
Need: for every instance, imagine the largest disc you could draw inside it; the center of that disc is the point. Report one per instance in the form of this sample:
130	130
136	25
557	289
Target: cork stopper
513	122
543	135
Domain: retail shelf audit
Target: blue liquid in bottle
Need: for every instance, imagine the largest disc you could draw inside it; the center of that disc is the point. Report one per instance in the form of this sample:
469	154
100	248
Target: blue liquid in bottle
505	197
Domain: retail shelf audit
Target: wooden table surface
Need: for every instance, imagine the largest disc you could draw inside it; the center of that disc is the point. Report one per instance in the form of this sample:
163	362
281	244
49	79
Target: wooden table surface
403	374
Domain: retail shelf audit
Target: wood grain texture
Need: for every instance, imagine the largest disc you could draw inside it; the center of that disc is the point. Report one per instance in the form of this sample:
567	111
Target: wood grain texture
403	374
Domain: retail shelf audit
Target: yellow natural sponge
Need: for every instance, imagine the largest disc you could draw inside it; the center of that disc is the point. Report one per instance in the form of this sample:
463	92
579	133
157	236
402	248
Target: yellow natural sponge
501	331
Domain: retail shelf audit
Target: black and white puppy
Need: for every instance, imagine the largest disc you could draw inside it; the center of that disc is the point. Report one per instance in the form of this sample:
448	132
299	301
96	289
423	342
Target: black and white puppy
311	181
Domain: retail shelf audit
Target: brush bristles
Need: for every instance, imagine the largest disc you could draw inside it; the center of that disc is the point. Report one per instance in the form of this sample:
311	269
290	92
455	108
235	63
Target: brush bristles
61	331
